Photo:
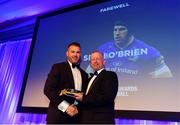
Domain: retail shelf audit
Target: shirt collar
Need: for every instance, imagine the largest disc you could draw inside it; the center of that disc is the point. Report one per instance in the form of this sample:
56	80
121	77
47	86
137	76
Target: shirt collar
69	63
100	70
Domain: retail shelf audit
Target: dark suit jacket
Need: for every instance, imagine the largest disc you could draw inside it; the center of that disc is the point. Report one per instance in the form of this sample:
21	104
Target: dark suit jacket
98	104
59	78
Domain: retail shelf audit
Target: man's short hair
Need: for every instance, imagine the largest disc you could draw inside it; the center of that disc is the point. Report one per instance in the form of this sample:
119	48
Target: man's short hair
97	51
74	44
117	23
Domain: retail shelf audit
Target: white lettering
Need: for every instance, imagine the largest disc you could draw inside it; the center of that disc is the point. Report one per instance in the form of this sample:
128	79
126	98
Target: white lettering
126	53
111	8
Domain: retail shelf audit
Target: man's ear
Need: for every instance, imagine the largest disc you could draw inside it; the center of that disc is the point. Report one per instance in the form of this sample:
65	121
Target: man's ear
104	62
66	53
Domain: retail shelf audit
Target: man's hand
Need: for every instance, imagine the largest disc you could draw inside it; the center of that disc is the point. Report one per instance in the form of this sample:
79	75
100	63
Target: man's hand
72	110
78	96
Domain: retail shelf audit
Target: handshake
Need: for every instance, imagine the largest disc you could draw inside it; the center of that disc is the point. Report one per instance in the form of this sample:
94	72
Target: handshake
72	110
78	95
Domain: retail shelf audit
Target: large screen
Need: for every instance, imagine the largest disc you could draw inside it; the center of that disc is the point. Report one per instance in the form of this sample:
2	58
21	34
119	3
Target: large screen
140	41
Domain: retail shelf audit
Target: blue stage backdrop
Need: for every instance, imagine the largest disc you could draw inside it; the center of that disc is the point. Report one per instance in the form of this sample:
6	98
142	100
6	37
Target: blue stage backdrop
13	59
148	65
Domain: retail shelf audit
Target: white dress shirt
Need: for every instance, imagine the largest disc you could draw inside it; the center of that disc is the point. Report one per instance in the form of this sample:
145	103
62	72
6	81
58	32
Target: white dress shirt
77	77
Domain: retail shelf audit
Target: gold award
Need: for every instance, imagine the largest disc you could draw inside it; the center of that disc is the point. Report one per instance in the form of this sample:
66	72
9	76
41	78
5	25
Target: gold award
69	92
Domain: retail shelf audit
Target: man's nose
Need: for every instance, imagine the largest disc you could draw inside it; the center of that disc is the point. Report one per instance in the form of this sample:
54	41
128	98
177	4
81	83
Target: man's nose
118	33
76	54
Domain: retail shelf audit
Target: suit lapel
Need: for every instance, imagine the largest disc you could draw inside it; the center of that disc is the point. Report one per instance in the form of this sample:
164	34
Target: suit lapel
83	78
96	80
71	79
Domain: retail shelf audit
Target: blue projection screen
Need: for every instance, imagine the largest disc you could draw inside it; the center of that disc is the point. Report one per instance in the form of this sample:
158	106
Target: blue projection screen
148	64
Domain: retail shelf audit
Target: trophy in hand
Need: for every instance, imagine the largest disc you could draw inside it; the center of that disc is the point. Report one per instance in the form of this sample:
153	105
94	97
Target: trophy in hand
70	92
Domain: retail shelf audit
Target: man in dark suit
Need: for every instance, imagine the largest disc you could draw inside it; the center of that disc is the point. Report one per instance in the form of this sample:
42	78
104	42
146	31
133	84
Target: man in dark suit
98	101
65	75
